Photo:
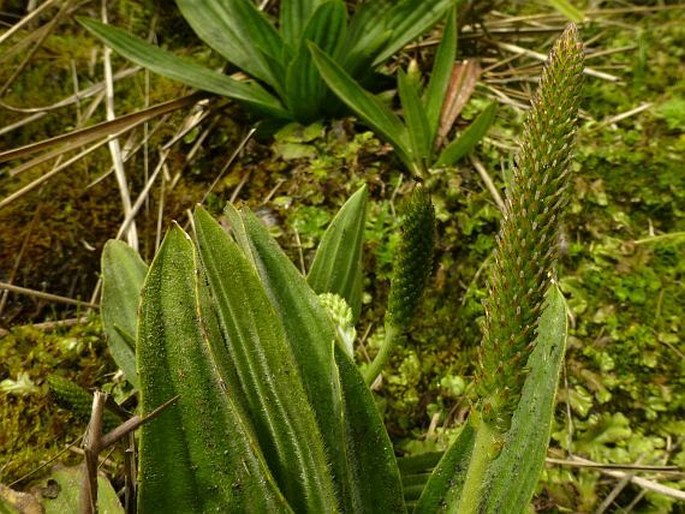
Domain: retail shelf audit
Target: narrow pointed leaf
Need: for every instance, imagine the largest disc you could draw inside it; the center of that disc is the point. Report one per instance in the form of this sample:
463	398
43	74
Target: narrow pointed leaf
269	385
467	140
123	272
443	490
420	136
241	33
397	22
305	89
337	264
185	465
511	478
372	460
366	106
294	15
168	65
359	450
442	71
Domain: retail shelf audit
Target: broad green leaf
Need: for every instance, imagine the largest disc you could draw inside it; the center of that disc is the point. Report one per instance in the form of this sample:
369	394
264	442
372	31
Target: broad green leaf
305	89
241	33
123	272
167	64
568	9
266	380
467	140
337	264
67	482
513	476
394	23
416	470
294	15
444	486
198	455
371	456
358	448
508	482
441	74
369	108
420	136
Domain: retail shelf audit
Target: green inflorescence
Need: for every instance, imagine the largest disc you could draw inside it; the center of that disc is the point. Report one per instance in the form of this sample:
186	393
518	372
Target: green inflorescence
527	246
413	259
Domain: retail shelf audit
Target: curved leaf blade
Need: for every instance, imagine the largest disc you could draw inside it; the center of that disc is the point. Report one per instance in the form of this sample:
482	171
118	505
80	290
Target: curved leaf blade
123	272
358	447
467	141
266	381
512	477
184	465
366	106
420	136
305	89
445	483
294	15
441	73
337	264
393	24
241	33
168	65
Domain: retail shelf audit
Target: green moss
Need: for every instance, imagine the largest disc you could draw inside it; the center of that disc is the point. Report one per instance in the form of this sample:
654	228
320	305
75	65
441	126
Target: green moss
35	429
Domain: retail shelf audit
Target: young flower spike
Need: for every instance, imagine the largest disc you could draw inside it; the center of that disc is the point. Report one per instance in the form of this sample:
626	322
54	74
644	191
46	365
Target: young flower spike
527	242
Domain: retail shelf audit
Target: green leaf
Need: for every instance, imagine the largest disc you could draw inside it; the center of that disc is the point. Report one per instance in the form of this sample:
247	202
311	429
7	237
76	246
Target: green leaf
123	272
68	482
511	478
568	9
372	460
395	23
188	72
241	33
369	108
445	483
198	455
420	136
305	89
337	264
466	141
294	15
442	72
359	451
505	480
266	380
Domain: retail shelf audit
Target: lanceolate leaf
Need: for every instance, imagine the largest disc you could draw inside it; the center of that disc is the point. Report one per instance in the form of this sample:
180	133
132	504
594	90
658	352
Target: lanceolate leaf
239	32
443	490
337	266
442	71
266	381
294	15
369	108
395	22
123	272
467	140
511	478
359	450
305	89
173	67
198	455
371	456
420	136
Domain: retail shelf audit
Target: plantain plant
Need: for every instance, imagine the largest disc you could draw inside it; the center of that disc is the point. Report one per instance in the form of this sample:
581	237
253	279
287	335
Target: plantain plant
284	82
272	413
415	137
